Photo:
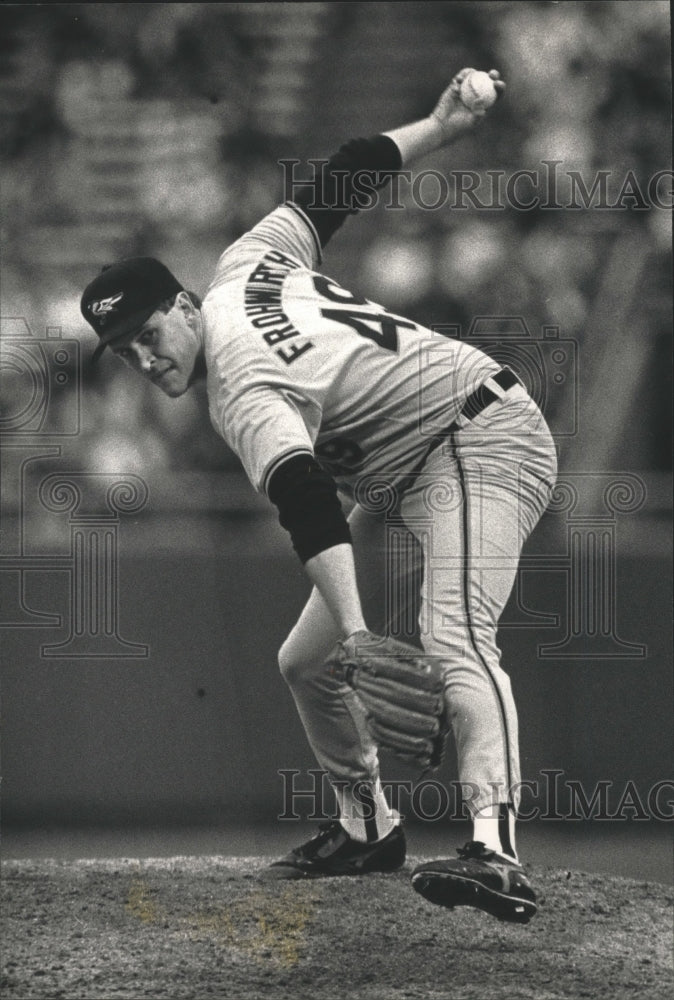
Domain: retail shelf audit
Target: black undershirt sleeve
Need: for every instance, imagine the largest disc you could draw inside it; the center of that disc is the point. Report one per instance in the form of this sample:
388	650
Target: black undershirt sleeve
346	183
306	495
308	504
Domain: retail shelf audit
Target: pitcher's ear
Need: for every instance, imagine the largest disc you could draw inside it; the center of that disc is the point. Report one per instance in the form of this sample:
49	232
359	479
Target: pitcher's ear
186	306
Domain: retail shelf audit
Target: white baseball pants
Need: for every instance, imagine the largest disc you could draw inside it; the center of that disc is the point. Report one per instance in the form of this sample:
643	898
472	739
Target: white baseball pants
471	507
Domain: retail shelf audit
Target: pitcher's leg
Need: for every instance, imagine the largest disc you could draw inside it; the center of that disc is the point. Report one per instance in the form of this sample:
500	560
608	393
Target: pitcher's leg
501	470
479	692
331	713
471	549
472	518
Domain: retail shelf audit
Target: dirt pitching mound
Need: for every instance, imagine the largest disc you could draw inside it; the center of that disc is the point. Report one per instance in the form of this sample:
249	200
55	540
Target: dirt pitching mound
188	927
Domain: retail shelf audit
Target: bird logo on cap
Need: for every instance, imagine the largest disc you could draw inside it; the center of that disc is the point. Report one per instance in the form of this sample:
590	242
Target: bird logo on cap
105	306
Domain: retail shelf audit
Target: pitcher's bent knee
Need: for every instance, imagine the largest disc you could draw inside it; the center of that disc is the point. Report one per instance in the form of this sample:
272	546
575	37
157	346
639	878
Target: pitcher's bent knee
294	667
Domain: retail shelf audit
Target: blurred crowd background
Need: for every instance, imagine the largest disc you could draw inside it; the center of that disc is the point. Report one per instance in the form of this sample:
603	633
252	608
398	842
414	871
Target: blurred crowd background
156	129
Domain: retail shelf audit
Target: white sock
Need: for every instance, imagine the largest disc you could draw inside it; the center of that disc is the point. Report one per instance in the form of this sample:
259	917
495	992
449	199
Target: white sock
485	828
494	826
364	812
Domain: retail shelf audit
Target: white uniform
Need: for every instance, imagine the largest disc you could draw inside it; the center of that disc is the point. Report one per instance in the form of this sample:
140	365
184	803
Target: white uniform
298	364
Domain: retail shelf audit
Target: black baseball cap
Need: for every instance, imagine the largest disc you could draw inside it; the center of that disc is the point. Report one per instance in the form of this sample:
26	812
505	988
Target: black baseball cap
123	296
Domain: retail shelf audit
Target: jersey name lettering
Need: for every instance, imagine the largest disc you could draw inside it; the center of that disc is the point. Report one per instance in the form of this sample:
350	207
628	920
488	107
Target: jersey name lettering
264	307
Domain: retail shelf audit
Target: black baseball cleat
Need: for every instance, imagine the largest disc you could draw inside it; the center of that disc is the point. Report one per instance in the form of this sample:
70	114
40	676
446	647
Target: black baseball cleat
333	852
478	877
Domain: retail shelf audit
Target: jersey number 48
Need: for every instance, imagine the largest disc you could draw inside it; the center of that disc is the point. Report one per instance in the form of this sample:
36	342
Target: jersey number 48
371	321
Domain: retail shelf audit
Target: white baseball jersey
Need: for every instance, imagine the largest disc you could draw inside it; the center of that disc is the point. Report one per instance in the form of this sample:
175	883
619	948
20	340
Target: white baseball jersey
296	363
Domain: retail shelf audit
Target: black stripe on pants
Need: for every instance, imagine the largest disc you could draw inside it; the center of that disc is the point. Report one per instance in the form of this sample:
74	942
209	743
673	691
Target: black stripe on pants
465	570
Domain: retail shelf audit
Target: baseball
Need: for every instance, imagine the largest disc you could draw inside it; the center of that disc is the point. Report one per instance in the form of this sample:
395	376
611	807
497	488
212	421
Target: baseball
478	91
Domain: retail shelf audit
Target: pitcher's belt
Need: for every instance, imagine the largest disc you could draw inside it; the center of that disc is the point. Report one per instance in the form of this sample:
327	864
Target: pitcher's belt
485	394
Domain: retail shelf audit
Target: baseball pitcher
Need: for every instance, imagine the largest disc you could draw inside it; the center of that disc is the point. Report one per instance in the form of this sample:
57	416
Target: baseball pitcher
321	392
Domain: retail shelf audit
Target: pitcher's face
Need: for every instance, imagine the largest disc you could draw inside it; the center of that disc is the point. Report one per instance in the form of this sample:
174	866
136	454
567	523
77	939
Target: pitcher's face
166	348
